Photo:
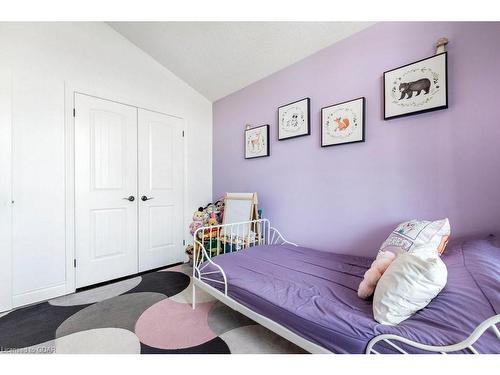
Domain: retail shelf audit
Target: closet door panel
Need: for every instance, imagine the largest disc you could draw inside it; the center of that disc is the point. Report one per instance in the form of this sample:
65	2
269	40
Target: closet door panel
105	175
38	173
161	181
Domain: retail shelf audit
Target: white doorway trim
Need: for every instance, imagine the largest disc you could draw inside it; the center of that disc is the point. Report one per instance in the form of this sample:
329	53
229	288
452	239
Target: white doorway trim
6	191
70	89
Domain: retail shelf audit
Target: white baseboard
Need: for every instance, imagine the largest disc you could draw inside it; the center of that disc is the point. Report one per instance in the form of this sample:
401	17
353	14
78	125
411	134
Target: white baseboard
39	295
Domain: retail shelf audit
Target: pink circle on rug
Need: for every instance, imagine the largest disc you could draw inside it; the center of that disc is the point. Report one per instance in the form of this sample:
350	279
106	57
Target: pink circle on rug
172	325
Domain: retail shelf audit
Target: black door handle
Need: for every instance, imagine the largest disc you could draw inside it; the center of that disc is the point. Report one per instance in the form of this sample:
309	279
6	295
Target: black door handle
144	198
130	198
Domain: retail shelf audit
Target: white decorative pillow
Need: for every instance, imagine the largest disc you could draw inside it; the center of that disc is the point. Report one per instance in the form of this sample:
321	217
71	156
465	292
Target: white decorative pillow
422	235
408	285
421	238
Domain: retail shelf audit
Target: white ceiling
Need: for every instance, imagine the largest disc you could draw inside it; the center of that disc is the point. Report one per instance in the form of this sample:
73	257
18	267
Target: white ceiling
218	58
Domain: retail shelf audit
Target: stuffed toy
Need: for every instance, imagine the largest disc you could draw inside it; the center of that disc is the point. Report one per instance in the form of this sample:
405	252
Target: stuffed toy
212	231
210	209
219	205
212	221
189	251
374	273
442	244
198	214
209	215
198	219
219	210
207	211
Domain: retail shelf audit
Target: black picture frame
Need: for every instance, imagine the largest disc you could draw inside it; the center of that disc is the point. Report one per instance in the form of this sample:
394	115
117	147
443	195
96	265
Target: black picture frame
363	122
410	113
268	148
308	117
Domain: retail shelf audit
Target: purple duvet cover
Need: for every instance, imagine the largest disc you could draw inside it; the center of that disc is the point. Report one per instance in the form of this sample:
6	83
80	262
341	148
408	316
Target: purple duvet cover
314	294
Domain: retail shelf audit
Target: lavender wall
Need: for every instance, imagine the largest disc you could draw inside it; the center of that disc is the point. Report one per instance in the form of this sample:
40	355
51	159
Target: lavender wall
348	198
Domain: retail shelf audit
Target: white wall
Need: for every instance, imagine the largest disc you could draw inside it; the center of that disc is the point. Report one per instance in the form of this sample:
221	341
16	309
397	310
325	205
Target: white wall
48	60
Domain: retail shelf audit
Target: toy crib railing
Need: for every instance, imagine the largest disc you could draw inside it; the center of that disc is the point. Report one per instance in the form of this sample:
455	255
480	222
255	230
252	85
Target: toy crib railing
219	239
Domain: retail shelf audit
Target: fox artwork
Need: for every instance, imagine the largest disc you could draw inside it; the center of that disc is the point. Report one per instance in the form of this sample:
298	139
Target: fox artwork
343	123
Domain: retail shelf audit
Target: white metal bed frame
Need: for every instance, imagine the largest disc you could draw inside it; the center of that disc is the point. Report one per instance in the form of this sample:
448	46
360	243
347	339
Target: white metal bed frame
240	236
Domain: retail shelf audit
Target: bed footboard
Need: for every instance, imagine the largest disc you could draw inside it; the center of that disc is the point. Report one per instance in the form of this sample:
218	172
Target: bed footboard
219	239
467	344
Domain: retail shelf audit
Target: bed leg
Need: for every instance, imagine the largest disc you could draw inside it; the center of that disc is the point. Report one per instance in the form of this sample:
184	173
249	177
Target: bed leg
194	296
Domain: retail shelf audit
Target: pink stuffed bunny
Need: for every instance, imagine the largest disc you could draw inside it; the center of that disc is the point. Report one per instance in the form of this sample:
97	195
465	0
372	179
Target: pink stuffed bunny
422	238
374	273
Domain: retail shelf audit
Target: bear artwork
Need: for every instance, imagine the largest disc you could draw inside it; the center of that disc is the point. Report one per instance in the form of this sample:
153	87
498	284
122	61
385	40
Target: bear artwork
407	89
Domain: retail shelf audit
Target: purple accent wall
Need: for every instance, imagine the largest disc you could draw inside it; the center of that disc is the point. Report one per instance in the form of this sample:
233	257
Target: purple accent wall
348	198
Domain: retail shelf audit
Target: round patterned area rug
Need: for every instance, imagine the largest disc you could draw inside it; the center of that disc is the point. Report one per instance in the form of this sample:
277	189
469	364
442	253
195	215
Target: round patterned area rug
149	314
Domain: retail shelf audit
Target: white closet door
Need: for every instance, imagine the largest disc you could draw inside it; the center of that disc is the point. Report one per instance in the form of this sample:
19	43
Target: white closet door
105	178
161	180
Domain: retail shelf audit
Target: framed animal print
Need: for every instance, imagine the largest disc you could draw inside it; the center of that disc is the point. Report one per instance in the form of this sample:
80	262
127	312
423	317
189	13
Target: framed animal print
293	119
418	87
257	142
343	123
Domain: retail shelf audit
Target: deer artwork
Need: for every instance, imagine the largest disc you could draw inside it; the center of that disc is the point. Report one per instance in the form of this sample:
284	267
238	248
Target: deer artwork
342	123
255	141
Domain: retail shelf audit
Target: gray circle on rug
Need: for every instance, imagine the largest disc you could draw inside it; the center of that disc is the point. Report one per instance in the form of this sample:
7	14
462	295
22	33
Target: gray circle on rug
185	268
186	296
99	341
98	294
222	318
117	312
258	340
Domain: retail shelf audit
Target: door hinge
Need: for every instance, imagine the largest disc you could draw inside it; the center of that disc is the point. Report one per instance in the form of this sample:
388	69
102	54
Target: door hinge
184	242
74	112
74	263
183	134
